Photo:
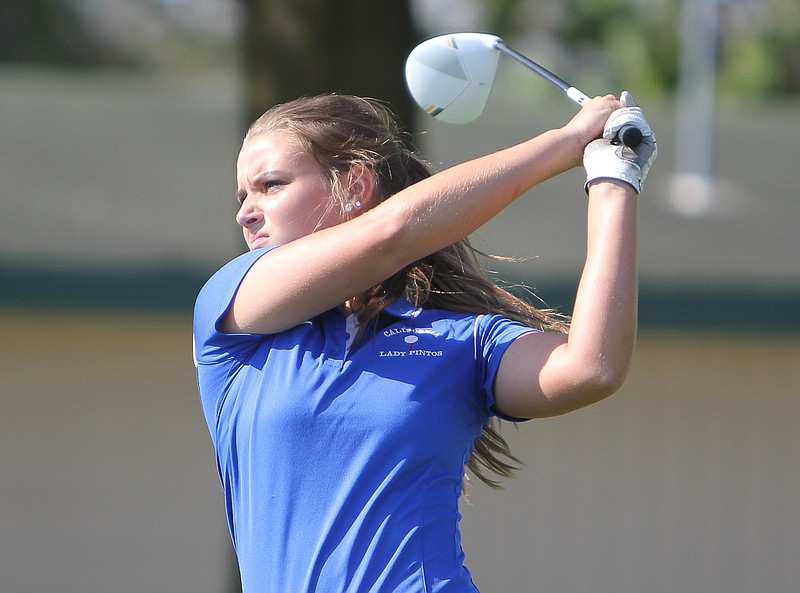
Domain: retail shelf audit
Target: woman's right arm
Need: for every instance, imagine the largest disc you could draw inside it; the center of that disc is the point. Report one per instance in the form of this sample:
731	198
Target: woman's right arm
317	272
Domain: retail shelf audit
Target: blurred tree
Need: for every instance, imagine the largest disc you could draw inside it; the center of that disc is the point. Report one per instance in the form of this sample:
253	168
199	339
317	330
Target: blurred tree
119	34
306	46
639	39
759	45
292	48
501	17
760	49
49	32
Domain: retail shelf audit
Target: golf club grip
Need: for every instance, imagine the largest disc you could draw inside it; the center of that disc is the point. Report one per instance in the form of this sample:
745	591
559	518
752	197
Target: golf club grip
630	136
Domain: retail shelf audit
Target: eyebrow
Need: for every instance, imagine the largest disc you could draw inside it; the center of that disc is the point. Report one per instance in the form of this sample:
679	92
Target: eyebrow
264	175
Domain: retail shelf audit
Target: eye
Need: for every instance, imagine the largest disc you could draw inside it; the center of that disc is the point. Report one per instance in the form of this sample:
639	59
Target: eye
271	185
269	181
240	196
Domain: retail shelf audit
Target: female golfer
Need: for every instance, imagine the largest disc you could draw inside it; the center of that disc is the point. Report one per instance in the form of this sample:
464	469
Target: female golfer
349	364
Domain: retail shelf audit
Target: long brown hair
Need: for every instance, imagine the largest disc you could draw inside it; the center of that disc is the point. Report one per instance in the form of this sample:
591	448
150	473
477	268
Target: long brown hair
341	131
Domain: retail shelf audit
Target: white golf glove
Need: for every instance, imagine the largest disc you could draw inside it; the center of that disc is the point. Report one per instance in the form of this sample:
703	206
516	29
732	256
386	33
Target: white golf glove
608	158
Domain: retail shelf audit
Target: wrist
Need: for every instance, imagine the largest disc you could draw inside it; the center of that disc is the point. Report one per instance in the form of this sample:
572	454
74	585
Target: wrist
573	144
618	178
609	185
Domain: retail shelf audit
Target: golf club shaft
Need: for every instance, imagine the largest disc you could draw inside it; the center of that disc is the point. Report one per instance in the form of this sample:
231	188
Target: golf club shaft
629	135
576	95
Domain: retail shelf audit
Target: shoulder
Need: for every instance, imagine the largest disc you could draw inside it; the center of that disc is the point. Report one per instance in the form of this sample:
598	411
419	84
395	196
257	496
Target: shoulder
229	276
214	299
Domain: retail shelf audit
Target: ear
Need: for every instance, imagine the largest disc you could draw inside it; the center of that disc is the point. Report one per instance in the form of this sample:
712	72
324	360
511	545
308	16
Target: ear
361	184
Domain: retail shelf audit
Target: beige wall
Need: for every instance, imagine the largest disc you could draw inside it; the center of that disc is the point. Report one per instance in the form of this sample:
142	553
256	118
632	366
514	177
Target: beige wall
687	480
108	479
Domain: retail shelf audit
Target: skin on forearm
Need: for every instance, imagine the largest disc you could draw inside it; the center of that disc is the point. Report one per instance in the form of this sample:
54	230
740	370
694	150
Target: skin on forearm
459	200
603	328
549	374
455	202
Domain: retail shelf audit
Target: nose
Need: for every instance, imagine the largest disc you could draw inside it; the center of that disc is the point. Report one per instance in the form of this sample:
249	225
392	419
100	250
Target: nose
248	215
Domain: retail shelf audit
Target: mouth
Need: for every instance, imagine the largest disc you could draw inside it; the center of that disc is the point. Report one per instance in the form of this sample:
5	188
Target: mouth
260	240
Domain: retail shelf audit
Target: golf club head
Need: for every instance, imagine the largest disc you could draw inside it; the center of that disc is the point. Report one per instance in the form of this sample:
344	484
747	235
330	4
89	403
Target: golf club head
450	76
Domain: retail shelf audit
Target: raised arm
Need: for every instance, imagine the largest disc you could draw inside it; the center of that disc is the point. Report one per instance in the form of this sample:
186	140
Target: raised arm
323	269
549	374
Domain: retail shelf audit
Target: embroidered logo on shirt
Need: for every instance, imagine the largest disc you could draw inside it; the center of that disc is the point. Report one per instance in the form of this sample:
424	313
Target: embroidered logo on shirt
406	342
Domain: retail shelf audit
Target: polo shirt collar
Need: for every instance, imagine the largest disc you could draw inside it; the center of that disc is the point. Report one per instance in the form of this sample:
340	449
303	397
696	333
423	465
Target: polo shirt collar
403	309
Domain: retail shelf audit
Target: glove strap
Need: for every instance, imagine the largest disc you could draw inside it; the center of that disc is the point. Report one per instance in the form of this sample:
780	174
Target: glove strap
597	168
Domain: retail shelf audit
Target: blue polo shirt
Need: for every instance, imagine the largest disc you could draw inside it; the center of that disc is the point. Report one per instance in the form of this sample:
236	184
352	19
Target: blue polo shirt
342	465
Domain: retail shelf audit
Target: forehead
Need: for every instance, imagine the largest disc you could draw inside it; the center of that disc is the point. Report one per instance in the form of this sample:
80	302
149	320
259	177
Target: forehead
277	146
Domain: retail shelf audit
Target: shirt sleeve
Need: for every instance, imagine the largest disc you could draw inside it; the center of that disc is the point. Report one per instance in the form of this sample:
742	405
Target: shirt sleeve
494	334
214	299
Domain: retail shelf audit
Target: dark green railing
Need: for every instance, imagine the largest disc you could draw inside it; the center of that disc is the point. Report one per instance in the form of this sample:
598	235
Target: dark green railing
732	307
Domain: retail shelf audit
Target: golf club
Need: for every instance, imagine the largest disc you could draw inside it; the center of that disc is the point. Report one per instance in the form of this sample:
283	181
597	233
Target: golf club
450	77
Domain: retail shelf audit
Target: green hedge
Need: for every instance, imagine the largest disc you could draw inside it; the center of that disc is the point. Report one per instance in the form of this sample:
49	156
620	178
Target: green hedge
173	288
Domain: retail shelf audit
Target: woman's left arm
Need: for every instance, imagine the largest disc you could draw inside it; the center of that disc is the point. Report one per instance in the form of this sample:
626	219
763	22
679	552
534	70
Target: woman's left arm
547	374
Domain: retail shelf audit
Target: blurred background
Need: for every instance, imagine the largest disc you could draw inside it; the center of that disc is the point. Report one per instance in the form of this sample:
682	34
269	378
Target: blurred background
120	121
